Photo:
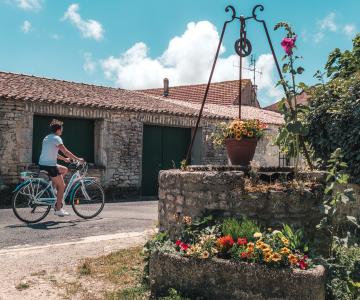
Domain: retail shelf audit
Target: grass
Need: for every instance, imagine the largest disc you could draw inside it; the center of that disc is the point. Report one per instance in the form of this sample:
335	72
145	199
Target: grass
22	286
85	268
117	276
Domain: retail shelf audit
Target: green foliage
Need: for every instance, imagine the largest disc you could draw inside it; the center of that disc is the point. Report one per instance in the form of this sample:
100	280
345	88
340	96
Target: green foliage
239	228
334	121
336	194
343	274
173	295
295	237
344	64
160	240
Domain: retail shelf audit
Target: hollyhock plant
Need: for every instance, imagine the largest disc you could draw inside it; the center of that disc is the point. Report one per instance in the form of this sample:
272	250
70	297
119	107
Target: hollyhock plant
288	44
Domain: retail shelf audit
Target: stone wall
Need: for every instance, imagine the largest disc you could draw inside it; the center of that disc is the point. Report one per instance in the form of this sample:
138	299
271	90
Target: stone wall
215	279
118	142
193	193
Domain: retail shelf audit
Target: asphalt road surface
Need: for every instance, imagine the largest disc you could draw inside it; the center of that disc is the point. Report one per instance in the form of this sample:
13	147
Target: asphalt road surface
115	218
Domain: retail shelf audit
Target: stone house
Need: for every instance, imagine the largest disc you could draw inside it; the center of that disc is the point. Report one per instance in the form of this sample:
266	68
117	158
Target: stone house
126	136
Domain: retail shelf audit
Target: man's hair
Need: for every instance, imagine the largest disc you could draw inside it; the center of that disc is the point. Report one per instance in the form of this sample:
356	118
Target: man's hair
55	125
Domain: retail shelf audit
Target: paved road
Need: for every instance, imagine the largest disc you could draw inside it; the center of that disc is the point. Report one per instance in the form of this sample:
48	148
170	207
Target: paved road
116	218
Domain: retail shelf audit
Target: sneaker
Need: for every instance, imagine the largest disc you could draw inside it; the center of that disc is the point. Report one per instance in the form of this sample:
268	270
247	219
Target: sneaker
61	213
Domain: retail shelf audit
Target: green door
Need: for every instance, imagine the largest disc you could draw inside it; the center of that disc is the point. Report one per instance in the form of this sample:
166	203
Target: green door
78	136
163	148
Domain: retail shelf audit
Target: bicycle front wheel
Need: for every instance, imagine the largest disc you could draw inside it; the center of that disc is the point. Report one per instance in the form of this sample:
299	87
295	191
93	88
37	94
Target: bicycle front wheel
88	199
24	206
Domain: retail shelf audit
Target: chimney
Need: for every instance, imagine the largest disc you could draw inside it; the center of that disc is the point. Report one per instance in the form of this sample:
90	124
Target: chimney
166	87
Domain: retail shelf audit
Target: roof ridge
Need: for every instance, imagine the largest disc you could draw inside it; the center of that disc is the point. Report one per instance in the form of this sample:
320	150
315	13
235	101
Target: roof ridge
199	84
62	80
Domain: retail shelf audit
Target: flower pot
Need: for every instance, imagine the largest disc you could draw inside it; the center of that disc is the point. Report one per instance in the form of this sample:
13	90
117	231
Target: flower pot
241	152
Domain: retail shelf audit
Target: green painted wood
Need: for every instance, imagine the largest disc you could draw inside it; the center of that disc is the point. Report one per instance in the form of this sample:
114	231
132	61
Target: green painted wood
78	136
163	148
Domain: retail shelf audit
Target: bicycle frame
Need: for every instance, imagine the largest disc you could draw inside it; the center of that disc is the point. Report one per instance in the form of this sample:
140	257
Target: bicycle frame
35	189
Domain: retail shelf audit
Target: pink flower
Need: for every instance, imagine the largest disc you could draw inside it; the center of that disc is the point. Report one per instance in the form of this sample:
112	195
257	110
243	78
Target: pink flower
178	243
288	44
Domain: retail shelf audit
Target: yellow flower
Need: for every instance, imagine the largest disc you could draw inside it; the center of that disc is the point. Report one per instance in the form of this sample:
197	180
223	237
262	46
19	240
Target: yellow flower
267	250
285	251
285	241
276	257
267	257
257	235
263	246
205	255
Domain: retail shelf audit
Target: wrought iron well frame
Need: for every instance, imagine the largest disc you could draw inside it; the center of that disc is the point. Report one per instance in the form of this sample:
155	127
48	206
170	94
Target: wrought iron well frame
243	48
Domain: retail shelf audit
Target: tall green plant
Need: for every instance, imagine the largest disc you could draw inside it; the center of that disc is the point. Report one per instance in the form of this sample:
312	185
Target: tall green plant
291	135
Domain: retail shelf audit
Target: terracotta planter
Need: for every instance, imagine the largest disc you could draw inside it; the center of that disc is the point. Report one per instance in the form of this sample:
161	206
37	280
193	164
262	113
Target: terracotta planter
241	152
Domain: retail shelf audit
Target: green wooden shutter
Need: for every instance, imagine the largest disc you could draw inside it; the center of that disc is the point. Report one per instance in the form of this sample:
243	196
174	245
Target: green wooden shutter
78	136
163	148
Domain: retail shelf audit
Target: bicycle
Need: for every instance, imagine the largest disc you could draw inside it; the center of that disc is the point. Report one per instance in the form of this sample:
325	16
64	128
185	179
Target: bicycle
35	196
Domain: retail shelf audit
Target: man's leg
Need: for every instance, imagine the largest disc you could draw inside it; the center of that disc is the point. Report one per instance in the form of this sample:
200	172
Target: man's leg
59	184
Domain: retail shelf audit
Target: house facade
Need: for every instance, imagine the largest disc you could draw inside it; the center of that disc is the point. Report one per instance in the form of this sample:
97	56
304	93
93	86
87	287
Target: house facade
126	136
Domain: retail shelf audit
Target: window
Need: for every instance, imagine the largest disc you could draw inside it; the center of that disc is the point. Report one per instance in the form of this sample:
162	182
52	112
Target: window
78	136
284	160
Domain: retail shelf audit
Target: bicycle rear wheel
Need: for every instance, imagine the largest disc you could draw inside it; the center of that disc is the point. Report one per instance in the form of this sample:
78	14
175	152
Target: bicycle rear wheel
88	207
25	208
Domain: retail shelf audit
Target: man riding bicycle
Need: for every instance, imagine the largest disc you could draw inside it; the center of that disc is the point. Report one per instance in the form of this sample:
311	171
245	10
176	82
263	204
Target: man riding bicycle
51	145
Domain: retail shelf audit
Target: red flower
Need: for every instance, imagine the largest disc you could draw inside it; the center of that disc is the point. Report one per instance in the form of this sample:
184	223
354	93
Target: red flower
242	241
244	255
184	246
178	243
226	241
288	44
302	264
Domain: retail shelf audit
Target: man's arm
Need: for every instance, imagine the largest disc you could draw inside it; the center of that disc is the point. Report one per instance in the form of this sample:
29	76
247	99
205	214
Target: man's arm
67	153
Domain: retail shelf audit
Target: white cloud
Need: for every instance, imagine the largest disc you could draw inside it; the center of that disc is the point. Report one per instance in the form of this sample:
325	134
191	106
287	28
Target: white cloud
328	23
30	5
319	36
26	26
187	60
89	65
349	30
88	28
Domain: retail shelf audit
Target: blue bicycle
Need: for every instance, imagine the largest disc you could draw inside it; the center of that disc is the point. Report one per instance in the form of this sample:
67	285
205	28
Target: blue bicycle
35	196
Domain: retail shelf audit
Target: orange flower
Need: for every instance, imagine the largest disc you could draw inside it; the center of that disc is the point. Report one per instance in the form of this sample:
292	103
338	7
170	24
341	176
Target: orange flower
225	242
293	259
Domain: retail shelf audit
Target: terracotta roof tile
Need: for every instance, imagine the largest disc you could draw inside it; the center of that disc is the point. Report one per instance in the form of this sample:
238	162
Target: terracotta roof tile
30	88
36	89
223	93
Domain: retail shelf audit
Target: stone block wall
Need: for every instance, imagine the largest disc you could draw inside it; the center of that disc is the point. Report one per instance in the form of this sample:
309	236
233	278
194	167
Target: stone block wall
193	193
118	141
216	279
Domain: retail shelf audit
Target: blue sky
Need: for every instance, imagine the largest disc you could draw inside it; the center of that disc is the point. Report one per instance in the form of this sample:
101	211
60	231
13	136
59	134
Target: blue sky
134	44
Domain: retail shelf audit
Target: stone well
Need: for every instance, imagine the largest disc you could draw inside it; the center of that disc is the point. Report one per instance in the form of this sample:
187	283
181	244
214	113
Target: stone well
220	190
215	279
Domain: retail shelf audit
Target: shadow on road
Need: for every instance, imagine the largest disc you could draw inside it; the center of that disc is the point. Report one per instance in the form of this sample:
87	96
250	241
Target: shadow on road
48	225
